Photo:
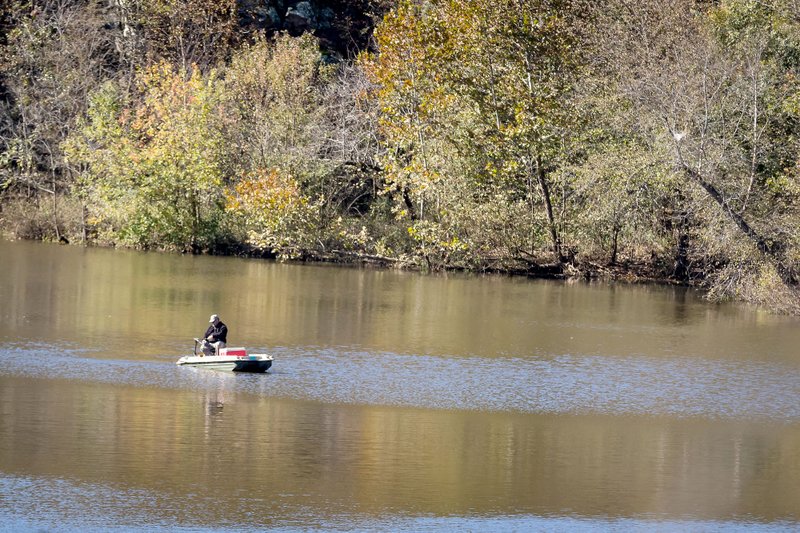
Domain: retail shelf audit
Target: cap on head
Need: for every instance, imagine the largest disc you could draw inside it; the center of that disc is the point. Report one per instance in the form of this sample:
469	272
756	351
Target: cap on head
213	318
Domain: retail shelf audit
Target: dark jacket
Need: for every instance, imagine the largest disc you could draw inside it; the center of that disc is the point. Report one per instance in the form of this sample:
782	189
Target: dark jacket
219	332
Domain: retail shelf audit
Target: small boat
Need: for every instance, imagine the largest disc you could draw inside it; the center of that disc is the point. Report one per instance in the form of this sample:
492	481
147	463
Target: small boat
235	359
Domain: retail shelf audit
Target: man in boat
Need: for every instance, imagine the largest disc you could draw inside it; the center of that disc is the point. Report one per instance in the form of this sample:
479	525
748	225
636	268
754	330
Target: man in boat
215	337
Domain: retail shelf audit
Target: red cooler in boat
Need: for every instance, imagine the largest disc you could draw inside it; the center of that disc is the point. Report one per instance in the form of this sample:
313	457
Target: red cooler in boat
233	352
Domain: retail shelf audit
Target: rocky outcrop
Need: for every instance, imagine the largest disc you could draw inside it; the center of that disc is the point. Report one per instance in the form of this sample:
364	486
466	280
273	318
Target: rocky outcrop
344	27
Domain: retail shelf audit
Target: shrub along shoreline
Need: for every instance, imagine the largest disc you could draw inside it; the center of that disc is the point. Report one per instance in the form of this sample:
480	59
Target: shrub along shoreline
658	271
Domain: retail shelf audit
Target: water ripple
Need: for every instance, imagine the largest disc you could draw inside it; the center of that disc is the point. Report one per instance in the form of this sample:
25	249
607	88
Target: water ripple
569	384
38	503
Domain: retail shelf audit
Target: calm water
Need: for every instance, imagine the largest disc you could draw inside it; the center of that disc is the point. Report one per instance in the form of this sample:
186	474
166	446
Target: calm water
397	401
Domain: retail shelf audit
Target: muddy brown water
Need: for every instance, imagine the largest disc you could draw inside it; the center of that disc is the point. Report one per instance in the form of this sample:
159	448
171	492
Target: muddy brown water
397	401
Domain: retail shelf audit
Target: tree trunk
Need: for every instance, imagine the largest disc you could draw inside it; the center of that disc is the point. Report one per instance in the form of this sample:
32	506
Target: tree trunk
412	212
681	267
195	222
770	250
541	176
55	209
84	215
615	244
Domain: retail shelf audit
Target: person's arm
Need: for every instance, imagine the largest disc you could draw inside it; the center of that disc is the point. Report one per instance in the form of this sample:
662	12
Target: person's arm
209	332
222	334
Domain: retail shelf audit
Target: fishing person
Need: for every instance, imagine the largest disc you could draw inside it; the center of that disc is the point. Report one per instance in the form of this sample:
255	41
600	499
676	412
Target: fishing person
216	336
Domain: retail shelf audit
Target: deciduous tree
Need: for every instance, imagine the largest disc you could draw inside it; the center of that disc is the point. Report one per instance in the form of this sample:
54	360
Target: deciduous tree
485	84
56	53
711	89
156	165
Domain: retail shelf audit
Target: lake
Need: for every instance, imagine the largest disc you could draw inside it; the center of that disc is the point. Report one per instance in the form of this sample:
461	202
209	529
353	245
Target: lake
397	401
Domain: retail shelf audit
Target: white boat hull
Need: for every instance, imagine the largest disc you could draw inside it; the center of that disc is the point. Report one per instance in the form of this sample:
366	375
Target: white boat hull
257	362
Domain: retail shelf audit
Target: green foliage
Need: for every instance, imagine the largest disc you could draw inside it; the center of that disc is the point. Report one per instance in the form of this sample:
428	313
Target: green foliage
620	190
272	92
760	177
474	96
156	165
184	33
54	55
712	96
739	24
274	212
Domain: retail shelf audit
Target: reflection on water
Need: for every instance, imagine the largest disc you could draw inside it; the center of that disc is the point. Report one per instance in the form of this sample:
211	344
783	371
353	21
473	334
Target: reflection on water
396	402
215	457
143	306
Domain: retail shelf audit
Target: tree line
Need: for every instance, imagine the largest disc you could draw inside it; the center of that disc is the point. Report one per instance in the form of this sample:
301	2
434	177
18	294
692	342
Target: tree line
652	139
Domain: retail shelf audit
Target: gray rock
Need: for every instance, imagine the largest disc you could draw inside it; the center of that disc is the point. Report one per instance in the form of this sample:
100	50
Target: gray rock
301	17
325	18
260	13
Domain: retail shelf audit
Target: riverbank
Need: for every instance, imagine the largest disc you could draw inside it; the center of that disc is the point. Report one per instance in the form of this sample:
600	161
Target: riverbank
626	271
391	244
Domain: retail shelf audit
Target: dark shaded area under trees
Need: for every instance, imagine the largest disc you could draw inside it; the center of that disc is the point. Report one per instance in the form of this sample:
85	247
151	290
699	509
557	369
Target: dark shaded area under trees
558	138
